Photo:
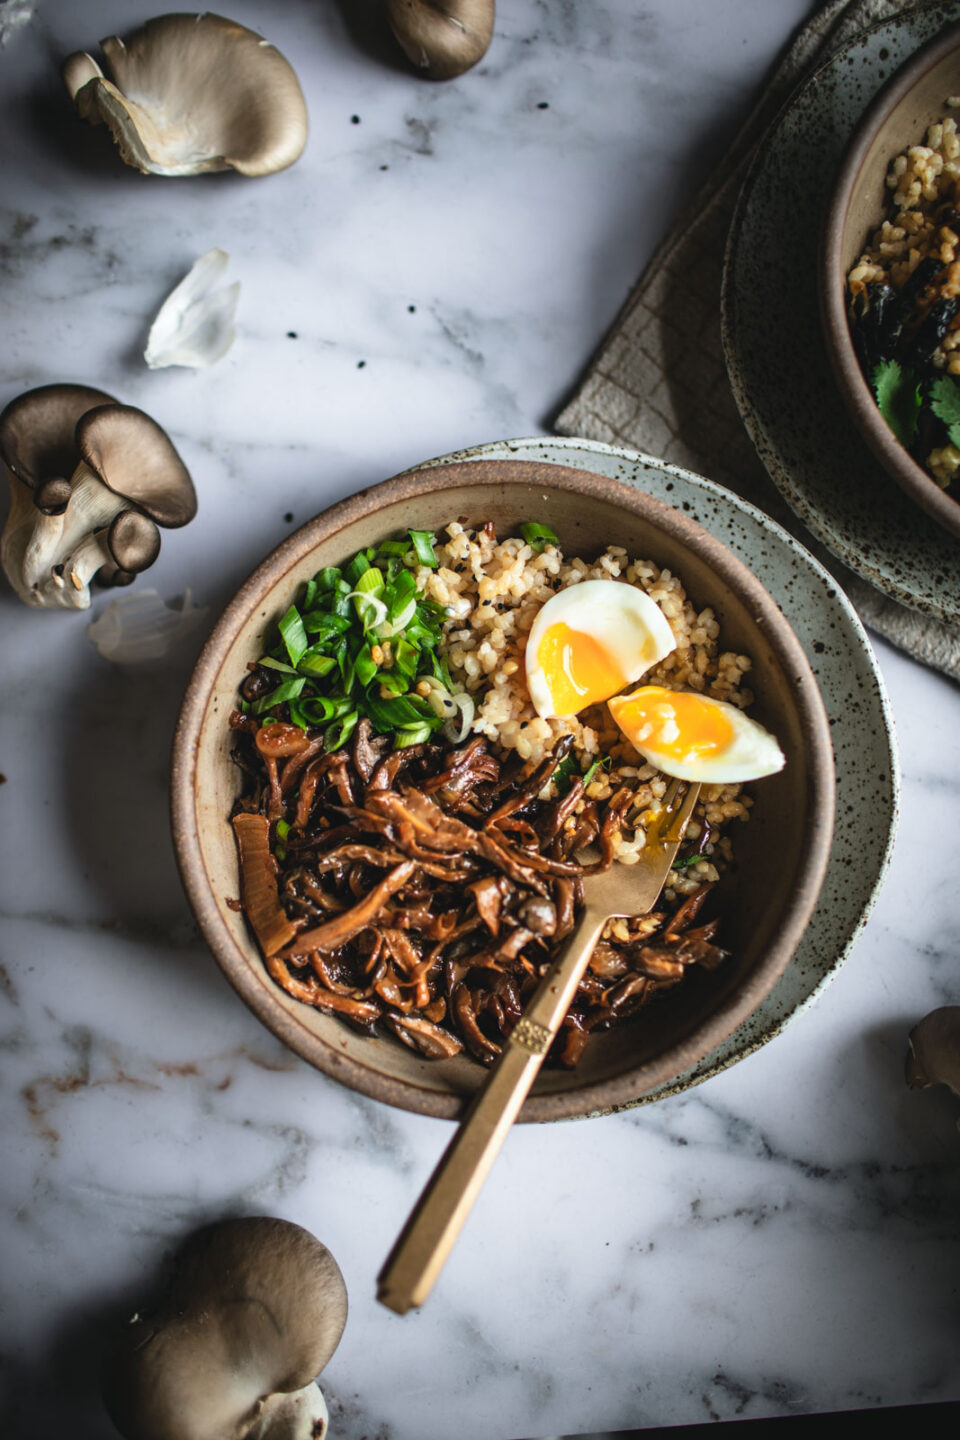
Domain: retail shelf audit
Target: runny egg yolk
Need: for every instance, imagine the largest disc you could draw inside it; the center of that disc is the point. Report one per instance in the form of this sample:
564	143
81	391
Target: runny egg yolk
578	670
676	723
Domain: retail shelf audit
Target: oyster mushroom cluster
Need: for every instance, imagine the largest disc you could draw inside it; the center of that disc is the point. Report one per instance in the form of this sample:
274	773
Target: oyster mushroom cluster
186	94
255	1309
91	481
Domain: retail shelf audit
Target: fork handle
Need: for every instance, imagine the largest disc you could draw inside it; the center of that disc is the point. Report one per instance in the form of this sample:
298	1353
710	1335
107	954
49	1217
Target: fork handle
427	1238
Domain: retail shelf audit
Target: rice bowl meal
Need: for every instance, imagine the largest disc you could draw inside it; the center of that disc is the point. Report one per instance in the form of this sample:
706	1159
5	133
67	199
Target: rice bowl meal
904	303
442	742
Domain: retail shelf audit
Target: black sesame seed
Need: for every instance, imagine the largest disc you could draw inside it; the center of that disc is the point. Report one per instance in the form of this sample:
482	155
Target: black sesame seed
292	335
360	364
542	105
354	119
288	517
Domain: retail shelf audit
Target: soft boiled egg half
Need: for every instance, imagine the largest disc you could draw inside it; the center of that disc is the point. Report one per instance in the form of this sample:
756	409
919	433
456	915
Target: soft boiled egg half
695	737
591	640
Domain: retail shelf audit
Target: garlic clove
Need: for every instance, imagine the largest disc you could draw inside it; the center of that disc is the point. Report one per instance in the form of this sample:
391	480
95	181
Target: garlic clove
195	324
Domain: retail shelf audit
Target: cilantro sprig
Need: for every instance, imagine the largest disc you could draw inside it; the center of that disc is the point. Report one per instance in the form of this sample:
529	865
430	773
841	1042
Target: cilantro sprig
899	399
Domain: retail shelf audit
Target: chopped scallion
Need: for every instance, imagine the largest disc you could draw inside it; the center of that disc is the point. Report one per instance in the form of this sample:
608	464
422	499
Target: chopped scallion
423	546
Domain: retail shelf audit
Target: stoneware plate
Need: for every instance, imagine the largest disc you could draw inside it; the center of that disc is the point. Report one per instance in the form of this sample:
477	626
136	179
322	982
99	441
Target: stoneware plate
911	101
766	900
774	345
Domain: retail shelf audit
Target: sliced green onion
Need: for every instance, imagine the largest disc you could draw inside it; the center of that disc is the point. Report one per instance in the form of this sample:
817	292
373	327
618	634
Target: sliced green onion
321	711
341	731
538	536
689	860
313	663
283	829
403	739
365	666
460	723
281	665
286	690
423	546
393	547
293	633
358	566
324	622
370	582
370	609
328	577
309	594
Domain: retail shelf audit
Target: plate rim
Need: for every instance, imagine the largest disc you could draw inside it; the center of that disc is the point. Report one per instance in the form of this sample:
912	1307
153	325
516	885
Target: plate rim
776	468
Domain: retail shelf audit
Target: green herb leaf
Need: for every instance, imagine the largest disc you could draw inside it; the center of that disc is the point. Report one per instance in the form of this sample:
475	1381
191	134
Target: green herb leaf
538	536
897	393
945	404
687	861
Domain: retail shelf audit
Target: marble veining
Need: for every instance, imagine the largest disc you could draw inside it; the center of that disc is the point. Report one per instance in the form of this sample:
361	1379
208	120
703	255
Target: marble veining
433	274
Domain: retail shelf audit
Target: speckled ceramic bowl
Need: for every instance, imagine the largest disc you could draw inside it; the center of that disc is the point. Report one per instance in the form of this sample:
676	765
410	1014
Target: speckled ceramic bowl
782	854
774	343
912	100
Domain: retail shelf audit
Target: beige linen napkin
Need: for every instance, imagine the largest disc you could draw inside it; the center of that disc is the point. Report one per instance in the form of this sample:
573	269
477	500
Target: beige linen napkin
633	393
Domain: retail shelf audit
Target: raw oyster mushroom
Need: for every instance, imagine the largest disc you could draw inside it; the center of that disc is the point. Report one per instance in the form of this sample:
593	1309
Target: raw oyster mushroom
255	1309
442	38
186	94
126	478
933	1053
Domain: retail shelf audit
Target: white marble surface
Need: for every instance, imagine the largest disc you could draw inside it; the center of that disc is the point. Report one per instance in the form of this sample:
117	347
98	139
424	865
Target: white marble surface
782	1239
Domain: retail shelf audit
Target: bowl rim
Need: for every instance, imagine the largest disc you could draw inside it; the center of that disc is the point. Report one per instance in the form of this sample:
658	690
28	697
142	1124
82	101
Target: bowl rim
599	1096
851	381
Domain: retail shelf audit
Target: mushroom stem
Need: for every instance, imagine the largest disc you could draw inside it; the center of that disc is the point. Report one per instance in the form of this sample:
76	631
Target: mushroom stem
298	1415
91	506
86	560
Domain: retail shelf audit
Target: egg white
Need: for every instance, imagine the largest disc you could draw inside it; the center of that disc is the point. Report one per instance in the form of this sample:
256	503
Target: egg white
751	753
621	617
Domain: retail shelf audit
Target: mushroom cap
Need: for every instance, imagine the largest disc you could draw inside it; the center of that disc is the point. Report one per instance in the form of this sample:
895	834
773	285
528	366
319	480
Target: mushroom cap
52	496
933	1055
136	459
134	541
255	1307
193	93
37	430
442	38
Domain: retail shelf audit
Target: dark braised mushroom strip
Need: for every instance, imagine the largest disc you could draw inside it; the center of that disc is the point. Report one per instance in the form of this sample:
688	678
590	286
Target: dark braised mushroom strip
368	750
482	883
531	788
258	884
424	1036
343	927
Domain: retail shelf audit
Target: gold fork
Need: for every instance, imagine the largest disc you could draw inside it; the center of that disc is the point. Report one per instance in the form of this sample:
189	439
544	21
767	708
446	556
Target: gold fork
426	1240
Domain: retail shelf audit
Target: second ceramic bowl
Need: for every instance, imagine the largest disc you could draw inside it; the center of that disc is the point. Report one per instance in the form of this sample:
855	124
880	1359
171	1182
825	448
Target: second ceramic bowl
766	899
912	100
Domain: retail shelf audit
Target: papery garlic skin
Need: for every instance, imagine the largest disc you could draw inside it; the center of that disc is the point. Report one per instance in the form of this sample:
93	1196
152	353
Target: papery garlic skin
141	628
195	324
